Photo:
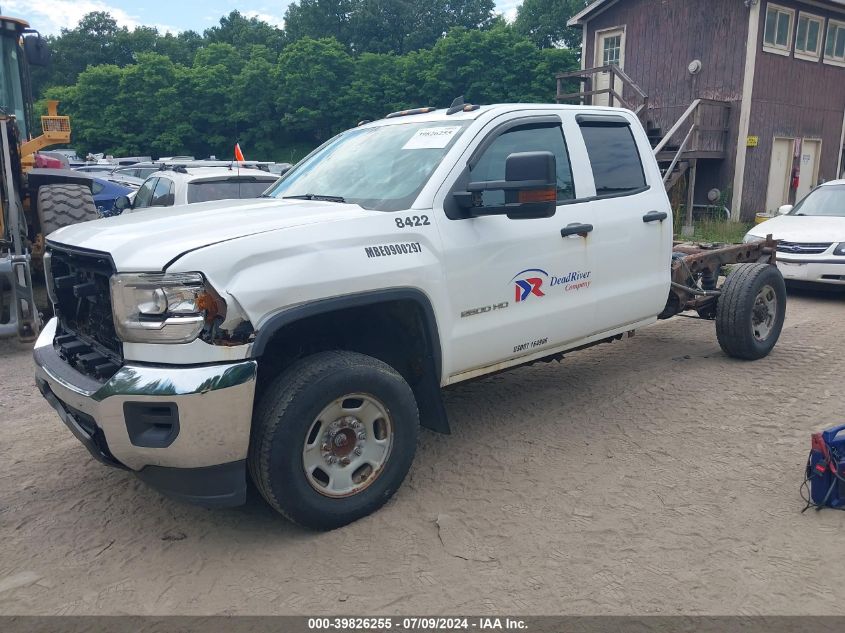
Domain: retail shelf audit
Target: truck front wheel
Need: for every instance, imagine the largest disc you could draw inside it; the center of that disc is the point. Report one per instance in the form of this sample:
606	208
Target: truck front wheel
333	437
751	311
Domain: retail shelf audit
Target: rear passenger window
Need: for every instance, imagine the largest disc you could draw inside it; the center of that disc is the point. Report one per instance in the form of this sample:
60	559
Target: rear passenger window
617	168
529	138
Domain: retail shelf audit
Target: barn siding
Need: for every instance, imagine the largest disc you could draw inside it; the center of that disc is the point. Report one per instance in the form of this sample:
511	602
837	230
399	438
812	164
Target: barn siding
797	99
792	97
662	38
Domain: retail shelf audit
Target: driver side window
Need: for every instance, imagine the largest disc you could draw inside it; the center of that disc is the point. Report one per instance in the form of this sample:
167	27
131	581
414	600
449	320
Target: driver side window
544	137
145	194
163	193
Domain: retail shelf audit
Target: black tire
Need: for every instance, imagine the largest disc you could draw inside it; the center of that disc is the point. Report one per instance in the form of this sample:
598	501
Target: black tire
283	425
736	330
63	205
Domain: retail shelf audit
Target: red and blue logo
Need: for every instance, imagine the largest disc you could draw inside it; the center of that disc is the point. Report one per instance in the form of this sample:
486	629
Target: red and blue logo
527	283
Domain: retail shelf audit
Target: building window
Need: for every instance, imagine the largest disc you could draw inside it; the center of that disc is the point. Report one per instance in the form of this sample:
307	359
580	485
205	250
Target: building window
612	50
777	37
834	49
808	39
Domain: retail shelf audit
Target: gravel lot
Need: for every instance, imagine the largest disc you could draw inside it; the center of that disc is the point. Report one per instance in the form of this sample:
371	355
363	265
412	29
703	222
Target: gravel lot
651	476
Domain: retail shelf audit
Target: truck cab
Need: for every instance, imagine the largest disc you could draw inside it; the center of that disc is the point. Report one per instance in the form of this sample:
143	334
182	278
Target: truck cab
304	336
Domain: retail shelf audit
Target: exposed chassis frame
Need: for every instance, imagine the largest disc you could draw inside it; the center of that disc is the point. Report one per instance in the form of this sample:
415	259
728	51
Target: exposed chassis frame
694	261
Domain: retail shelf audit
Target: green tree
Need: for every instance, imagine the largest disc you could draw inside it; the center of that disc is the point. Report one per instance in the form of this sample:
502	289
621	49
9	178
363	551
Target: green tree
382	26
544	22
485	67
253	108
95	40
242	32
318	19
313	75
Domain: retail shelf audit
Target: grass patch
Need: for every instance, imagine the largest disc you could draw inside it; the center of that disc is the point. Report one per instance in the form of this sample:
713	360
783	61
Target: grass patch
707	230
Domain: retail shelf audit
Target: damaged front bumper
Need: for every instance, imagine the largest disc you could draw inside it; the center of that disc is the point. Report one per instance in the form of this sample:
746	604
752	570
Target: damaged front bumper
183	430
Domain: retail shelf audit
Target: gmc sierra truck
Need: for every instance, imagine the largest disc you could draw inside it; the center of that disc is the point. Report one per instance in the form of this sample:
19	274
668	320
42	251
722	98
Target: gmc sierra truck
301	339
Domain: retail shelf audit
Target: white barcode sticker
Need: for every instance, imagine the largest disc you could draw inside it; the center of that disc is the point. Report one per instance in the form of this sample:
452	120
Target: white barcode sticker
431	138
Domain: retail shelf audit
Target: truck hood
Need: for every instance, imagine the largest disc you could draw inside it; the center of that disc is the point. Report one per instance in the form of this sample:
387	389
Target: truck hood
803	228
149	240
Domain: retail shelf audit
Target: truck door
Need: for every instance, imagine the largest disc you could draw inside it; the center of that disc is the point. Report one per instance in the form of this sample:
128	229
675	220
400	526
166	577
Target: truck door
516	287
632	221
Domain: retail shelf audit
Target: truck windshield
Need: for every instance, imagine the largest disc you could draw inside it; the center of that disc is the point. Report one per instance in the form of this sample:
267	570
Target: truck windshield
382	168
11	92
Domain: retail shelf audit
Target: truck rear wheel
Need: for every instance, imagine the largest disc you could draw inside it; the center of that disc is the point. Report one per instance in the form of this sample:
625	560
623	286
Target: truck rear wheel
751	311
333	437
63	205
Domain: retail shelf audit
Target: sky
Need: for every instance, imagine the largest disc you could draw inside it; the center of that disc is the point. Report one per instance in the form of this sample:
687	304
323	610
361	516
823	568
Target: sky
49	16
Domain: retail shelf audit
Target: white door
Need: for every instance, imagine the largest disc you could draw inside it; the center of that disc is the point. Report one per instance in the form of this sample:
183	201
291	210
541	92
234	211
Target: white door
808	174
632	236
610	51
780	173
516	287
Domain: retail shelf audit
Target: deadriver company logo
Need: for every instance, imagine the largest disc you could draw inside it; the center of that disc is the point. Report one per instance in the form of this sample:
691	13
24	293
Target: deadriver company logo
530	282
527	283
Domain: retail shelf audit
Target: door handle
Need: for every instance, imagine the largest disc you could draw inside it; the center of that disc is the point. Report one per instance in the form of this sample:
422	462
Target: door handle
655	216
576	229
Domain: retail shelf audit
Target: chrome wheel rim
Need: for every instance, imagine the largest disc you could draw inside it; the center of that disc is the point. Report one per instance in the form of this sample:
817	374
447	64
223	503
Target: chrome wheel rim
764	313
347	445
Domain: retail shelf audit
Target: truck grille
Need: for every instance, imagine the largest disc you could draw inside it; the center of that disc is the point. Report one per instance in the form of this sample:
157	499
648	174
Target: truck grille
85	336
803	248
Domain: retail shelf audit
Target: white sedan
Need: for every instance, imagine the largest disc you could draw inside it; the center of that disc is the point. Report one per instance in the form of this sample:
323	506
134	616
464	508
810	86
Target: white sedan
812	236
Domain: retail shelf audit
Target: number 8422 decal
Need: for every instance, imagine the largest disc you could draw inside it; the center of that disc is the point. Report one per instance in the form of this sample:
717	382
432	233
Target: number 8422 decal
413	220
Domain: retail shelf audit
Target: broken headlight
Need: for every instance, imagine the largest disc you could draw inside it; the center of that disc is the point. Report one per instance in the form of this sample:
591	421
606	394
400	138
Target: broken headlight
162	307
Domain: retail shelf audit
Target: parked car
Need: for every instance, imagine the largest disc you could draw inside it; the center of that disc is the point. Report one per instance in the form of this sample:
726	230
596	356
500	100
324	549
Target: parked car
188	185
812	236
302	338
105	194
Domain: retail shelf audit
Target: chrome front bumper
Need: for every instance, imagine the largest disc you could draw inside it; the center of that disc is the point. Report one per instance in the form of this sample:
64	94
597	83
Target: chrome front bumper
213	410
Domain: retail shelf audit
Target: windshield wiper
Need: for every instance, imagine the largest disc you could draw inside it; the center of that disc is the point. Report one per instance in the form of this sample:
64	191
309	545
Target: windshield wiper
315	196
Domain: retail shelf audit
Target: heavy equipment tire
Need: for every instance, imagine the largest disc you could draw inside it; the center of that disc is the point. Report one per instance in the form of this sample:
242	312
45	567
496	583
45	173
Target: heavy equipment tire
333	437
751	311
63	205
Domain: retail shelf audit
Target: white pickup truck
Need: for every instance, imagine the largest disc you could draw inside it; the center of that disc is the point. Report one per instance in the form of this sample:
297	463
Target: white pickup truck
303	337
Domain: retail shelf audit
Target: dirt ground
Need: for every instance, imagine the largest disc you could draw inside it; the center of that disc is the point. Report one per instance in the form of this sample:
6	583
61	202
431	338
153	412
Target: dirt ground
651	476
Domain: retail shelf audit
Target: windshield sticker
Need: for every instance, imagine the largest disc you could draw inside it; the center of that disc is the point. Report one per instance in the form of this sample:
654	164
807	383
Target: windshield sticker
432	138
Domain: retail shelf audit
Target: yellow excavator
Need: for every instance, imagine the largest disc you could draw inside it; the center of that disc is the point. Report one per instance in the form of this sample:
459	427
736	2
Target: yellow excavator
34	200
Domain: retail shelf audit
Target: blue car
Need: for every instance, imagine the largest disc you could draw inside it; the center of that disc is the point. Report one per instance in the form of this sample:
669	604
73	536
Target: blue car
105	193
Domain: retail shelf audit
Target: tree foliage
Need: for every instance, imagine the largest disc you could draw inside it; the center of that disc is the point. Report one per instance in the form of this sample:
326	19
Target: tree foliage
141	92
544	22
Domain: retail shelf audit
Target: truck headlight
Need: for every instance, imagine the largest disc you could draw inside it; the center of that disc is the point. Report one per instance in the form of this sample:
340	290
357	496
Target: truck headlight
749	239
840	249
162	307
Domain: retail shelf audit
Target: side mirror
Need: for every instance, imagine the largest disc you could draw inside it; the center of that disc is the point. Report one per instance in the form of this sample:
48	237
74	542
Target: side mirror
785	209
530	187
122	203
36	50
